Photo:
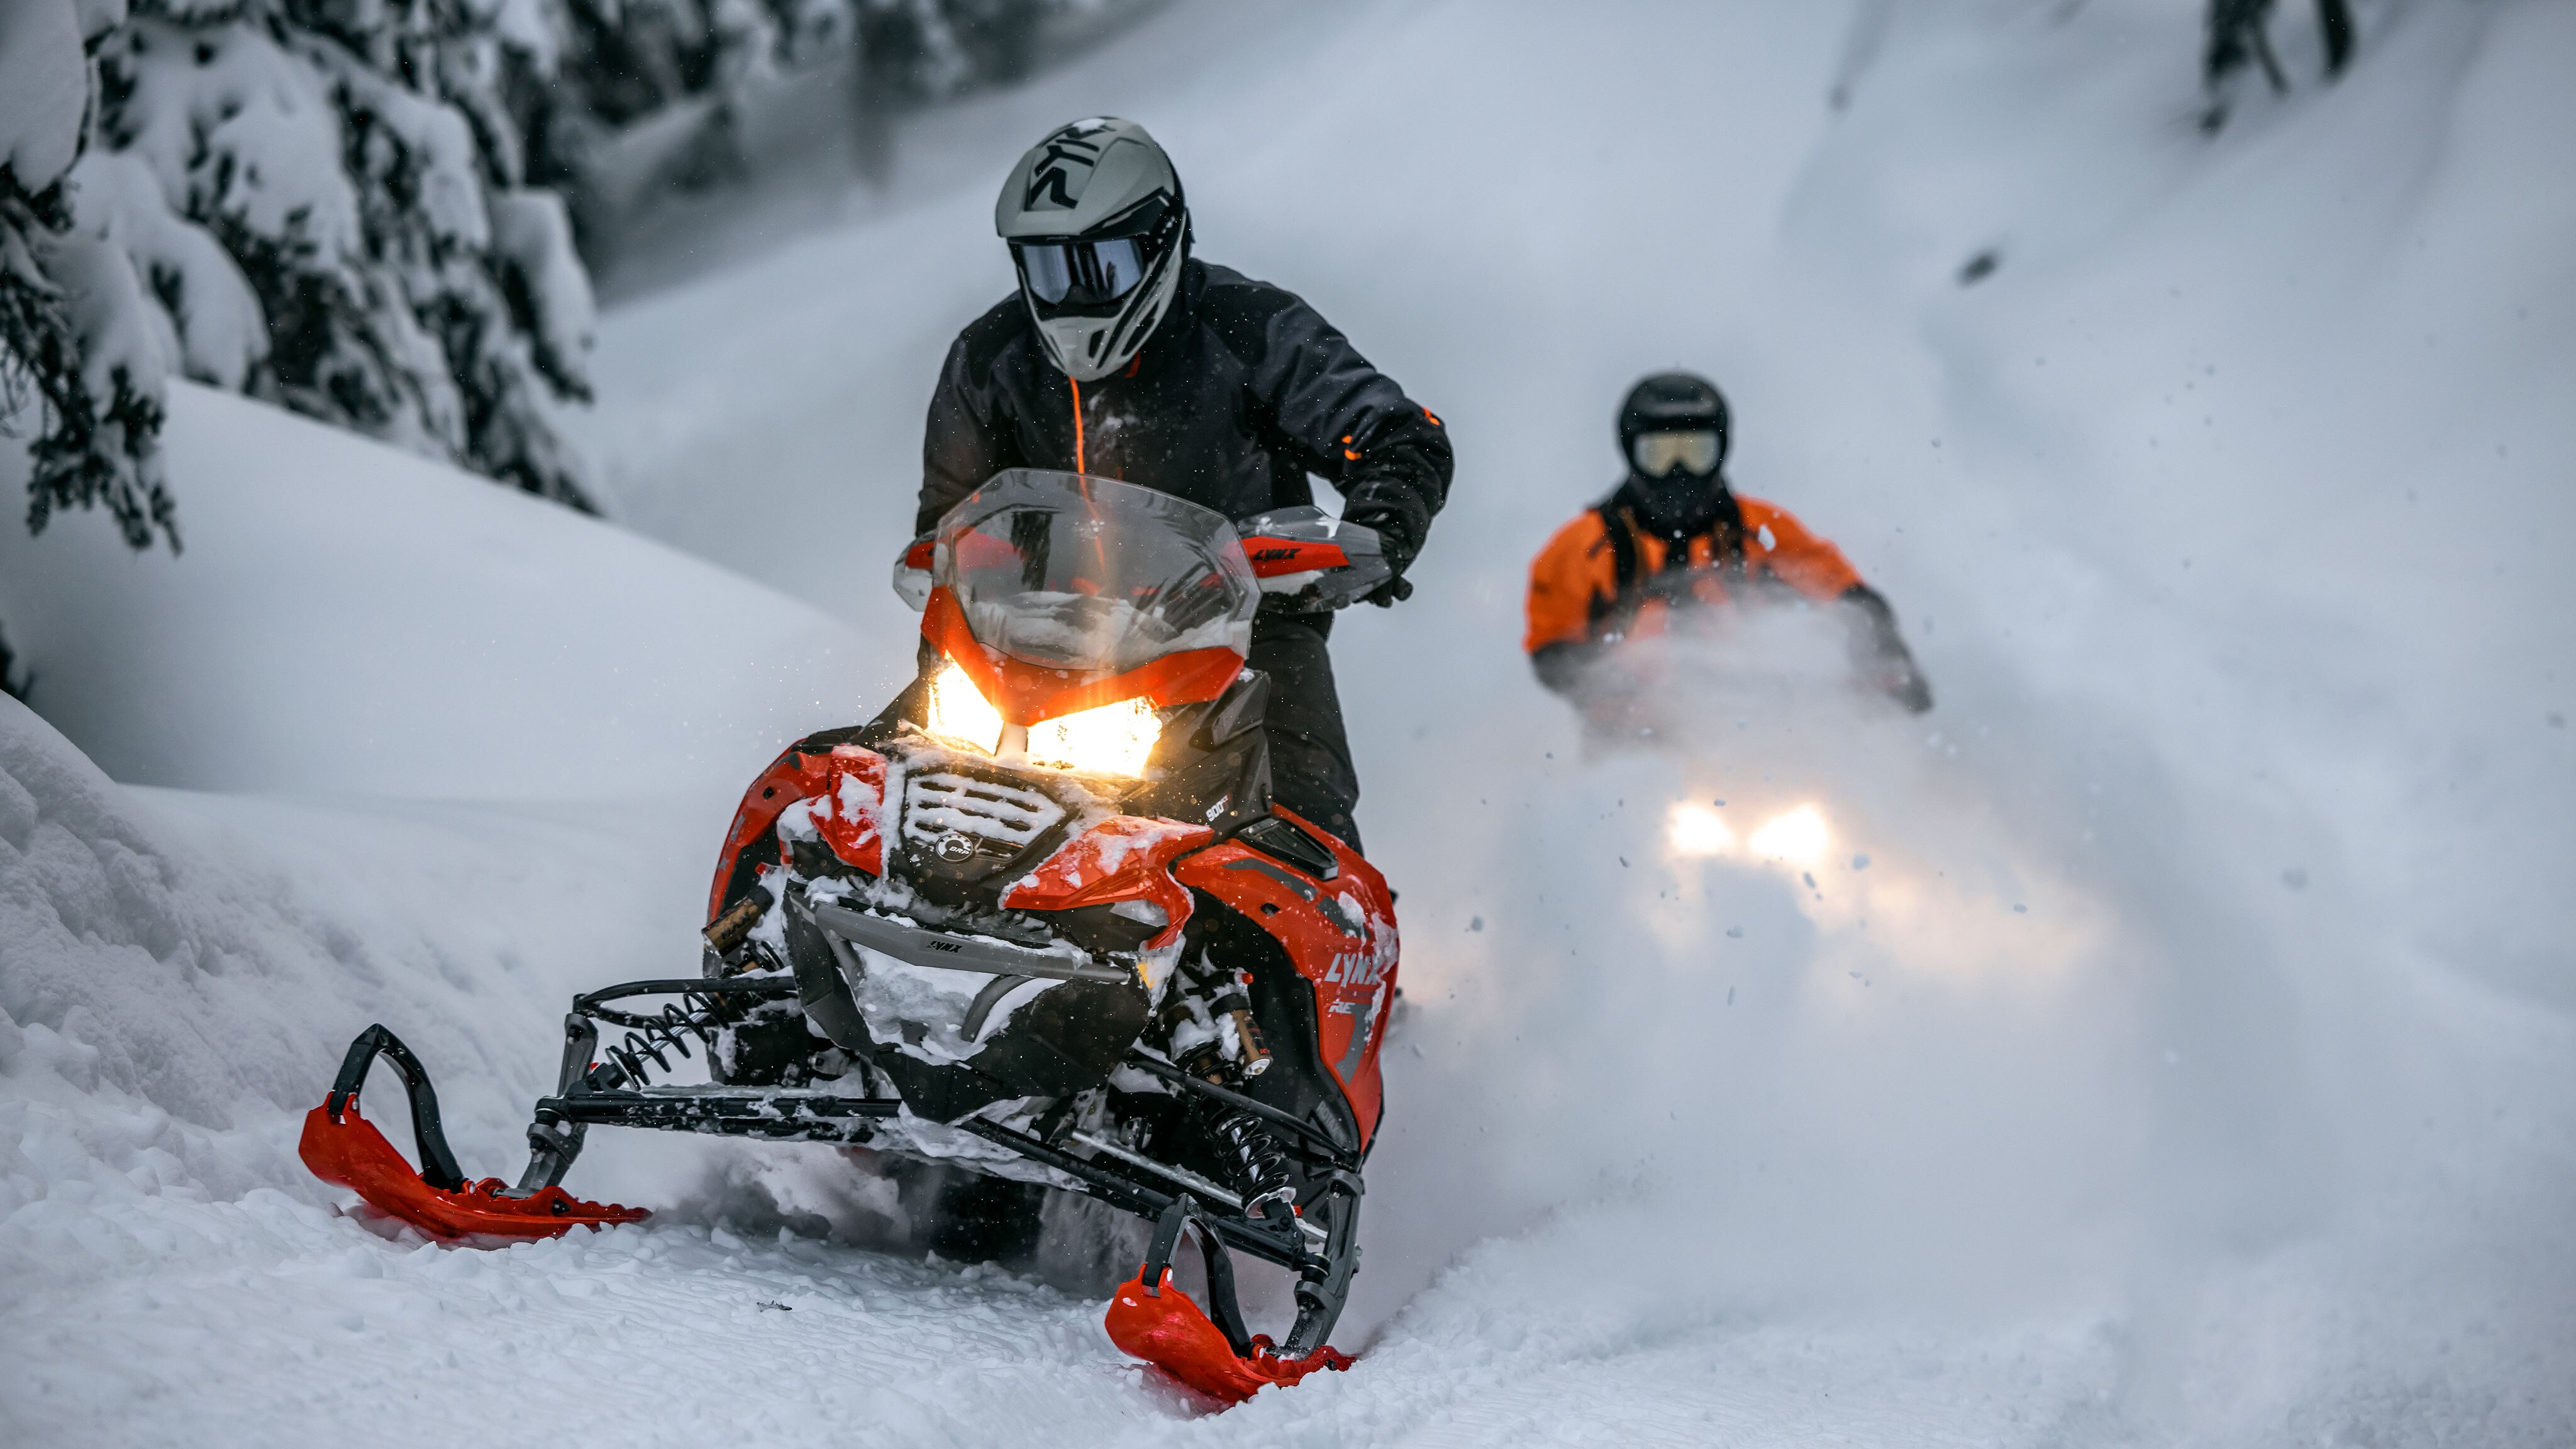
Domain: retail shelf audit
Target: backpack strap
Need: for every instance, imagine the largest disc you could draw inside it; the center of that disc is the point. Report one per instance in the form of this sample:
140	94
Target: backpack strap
1622	539
1612	616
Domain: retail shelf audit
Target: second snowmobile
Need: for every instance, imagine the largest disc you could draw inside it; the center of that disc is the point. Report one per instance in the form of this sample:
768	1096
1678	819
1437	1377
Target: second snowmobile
1039	920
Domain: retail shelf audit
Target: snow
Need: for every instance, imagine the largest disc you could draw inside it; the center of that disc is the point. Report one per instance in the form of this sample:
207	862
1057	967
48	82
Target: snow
532	232
237	127
217	332
126	348
44	81
475	644
2187	1066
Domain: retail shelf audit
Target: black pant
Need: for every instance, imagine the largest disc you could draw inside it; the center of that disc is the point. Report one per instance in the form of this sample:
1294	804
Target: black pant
1310	756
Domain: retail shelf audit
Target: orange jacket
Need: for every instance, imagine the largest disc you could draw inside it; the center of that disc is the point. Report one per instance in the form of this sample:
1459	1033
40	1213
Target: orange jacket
1575	594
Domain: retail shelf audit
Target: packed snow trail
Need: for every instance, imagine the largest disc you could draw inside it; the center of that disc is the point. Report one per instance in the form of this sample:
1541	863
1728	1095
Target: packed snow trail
2164	1043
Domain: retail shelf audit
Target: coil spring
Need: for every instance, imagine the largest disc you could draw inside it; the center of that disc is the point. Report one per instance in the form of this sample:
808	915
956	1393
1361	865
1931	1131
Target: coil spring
1260	1167
695	1014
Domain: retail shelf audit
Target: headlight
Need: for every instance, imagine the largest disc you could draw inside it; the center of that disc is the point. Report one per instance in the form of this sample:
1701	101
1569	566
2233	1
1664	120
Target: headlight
1115	739
959	711
1797	836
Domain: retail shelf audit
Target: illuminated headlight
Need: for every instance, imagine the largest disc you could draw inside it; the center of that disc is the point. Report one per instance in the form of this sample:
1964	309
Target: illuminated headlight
1115	739
1798	836
1692	829
959	711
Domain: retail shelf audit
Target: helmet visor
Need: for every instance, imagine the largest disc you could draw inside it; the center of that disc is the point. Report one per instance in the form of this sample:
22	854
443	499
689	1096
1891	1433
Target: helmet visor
1081	273
1658	455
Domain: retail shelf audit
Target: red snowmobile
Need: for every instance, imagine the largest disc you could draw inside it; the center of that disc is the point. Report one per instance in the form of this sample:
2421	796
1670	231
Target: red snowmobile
1039	921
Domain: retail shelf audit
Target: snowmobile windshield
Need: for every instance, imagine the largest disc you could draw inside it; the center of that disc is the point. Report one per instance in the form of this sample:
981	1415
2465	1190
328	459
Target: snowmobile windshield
1093	576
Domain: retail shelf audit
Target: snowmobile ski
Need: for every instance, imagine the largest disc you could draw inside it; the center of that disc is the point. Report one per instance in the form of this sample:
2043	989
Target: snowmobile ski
1151	1318
342	1147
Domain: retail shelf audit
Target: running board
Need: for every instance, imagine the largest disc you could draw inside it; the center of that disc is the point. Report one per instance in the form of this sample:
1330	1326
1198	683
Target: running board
783	1114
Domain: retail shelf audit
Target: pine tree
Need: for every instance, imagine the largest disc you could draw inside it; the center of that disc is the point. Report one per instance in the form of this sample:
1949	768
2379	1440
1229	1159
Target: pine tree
355	159
77	340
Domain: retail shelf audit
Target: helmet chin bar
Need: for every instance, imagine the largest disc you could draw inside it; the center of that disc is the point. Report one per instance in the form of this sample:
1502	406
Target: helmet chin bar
1088	346
1678	502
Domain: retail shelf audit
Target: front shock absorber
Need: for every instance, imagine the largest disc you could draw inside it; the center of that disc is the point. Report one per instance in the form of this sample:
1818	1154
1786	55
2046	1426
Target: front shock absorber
1254	1159
651	1035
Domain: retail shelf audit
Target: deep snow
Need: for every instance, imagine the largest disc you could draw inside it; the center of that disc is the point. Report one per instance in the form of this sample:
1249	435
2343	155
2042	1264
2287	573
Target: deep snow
2187	1063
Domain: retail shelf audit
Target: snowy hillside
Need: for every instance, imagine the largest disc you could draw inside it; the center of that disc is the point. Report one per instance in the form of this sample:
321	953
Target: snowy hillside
2165	1042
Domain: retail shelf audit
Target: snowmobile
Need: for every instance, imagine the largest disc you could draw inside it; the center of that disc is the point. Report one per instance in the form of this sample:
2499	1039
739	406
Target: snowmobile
1040	920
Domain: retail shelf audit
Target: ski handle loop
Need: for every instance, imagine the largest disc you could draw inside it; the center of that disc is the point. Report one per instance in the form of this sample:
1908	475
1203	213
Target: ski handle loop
1224	1310
437	1162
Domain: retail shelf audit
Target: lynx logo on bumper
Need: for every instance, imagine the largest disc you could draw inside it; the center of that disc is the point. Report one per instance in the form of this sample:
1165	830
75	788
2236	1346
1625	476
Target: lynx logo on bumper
1064	168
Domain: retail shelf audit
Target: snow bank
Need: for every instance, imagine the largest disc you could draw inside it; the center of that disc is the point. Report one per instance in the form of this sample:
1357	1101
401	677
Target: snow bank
350	620
178	977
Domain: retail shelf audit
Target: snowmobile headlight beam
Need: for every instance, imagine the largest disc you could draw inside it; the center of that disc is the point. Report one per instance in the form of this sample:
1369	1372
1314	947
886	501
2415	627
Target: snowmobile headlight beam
959	711
1695	830
1798	836
1112	739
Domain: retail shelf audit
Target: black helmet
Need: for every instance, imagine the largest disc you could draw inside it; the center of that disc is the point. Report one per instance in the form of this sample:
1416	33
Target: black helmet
1673	434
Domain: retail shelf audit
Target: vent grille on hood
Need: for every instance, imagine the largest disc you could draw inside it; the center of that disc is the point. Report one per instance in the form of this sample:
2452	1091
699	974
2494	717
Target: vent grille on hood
940	804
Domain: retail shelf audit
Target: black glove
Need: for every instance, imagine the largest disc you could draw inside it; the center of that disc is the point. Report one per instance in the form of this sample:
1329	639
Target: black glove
1904	683
1562	666
1879	651
1395	539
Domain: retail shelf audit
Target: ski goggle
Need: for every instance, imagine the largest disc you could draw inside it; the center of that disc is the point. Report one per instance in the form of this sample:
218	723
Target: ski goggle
1083	273
1658	454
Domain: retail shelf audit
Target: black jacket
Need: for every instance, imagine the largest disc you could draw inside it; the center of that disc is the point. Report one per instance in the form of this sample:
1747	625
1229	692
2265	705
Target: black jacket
1241	392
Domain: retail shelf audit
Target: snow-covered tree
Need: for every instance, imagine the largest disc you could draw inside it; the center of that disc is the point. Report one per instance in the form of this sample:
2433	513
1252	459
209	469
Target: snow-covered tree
356	162
82	354
646	94
940	47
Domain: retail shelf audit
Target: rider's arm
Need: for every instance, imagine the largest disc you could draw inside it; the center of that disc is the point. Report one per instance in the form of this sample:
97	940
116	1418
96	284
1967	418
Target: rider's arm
1880	652
966	439
1776	543
1782	546
1389	458
1566	583
1562	666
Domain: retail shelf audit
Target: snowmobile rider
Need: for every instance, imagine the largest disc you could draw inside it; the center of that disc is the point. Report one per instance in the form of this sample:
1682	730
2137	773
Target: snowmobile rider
1124	356
1676	532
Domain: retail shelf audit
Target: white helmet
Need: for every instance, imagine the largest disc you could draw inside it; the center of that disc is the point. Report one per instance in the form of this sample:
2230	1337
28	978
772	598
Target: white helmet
1098	230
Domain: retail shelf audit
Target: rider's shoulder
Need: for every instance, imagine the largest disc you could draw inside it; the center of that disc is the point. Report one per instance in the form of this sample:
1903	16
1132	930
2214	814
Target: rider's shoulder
1220	283
990	336
1760	513
1239	309
1578	536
